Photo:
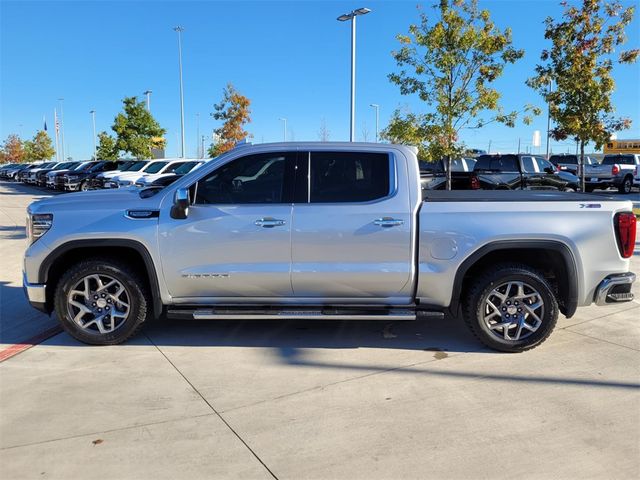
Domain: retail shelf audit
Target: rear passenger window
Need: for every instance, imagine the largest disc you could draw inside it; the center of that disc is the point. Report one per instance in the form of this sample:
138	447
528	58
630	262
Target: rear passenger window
527	165
348	177
506	163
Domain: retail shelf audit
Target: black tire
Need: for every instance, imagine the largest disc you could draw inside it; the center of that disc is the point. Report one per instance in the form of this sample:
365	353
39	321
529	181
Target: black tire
474	307
135	289
626	185
589	189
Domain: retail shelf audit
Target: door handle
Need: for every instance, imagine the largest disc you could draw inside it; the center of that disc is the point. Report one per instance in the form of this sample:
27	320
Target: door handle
387	222
268	222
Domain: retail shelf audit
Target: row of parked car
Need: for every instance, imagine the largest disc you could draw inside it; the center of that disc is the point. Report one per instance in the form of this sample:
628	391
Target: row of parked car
532	172
90	175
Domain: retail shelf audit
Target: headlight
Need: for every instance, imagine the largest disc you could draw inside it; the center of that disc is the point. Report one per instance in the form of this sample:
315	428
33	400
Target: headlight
37	225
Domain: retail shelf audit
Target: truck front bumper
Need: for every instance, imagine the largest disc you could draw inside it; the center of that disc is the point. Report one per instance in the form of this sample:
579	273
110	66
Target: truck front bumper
35	293
615	288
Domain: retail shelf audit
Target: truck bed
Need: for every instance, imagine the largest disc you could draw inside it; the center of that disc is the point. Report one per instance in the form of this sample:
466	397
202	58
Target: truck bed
512	196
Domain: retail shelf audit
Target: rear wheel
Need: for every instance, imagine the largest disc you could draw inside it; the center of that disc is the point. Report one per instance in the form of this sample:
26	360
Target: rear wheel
84	186
511	308
626	185
101	301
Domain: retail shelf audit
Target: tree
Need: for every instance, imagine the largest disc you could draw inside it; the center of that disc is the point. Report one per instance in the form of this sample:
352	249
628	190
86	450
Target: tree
39	148
365	132
451	65
13	149
234	111
408	129
106	147
324	133
137	132
579	64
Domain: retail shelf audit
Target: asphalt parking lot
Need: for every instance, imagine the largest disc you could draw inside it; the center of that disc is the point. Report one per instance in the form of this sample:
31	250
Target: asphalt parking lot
318	400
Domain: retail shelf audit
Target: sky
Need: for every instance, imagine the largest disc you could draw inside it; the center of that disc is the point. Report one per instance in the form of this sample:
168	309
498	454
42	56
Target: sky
291	58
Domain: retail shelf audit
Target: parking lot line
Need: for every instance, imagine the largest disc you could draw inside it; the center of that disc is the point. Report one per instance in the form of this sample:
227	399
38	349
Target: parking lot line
17	348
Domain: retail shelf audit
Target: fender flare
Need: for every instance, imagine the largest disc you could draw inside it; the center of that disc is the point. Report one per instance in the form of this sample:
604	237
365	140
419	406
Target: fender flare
554	245
152	275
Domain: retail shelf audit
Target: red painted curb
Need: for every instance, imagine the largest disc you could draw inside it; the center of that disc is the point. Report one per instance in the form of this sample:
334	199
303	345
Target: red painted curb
27	344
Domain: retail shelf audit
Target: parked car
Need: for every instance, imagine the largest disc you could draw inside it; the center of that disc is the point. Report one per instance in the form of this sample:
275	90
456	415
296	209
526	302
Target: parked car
32	175
126	179
570	163
174	172
618	170
11	170
20	174
81	180
97	181
55	178
41	176
105	180
337	231
434	177
521	172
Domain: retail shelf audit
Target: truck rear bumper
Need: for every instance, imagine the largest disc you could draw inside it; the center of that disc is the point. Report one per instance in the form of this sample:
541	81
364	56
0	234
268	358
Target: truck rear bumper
35	293
615	288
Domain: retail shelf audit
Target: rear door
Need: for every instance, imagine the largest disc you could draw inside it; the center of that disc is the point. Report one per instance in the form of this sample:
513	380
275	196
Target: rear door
531	177
549	179
352	227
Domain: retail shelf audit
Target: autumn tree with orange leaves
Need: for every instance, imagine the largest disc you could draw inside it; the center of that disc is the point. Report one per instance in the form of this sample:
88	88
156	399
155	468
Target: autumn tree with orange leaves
234	112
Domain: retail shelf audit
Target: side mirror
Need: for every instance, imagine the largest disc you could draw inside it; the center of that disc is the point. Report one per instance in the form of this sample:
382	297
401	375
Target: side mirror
549	170
180	208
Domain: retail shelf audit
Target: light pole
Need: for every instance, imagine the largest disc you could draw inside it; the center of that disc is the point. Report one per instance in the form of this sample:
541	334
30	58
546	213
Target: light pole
179	29
61	100
148	94
93	117
197	135
284	130
377	107
549	117
343	18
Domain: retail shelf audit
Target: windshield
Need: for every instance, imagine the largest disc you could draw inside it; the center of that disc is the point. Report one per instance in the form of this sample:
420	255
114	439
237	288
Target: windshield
173	167
135	167
62	166
185	167
155	167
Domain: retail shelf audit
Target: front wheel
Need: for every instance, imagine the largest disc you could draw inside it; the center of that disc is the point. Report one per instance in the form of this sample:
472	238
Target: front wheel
84	186
101	301
511	308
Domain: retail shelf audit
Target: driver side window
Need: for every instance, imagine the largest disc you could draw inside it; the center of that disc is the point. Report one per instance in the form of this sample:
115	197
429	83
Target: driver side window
252	179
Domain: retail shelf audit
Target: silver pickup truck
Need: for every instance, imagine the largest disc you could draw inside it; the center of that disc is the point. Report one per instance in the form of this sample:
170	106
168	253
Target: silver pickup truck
619	170
325	231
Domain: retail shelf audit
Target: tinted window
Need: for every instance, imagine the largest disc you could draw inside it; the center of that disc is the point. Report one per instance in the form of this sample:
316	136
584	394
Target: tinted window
567	159
251	179
498	163
348	177
134	167
542	164
154	167
173	167
185	167
527	165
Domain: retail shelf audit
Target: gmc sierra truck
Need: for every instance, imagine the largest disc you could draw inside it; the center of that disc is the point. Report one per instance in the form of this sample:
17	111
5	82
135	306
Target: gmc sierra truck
326	231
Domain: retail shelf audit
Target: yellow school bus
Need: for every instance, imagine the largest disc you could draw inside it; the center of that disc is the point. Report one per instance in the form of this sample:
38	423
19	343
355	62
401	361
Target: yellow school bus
622	146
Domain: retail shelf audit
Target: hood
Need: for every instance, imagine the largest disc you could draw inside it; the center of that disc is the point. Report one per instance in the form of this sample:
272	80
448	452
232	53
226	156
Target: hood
121	199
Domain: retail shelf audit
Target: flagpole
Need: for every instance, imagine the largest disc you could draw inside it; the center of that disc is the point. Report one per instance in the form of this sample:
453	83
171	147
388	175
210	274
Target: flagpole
55	126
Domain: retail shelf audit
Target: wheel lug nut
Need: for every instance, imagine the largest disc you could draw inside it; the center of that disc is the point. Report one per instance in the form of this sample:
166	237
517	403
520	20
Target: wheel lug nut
507	315
95	296
93	304
516	303
108	308
519	309
108	300
504	309
99	309
103	295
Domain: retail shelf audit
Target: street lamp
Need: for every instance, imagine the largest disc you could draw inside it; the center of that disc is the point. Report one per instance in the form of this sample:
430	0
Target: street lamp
343	18
61	100
179	29
284	131
93	117
148	94
377	107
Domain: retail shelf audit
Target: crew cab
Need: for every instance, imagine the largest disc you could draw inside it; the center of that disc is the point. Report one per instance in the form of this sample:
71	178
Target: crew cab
617	171
521	172
329	231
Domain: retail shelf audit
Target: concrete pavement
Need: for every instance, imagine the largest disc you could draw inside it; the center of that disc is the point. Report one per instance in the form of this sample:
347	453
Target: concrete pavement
293	399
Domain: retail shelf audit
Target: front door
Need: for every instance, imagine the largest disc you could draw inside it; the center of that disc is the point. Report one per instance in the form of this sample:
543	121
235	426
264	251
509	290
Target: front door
236	240
352	227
